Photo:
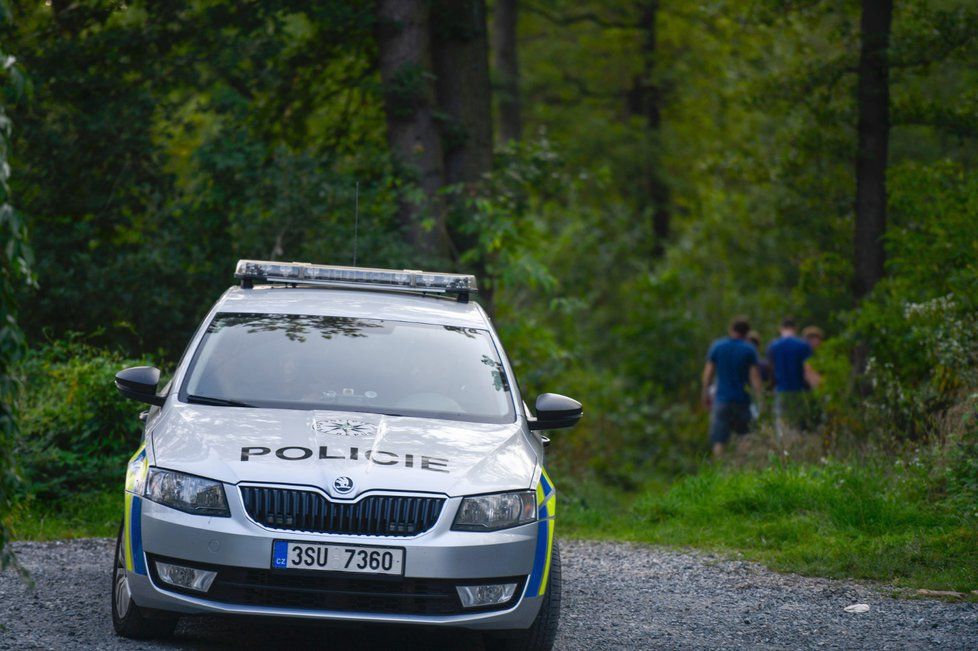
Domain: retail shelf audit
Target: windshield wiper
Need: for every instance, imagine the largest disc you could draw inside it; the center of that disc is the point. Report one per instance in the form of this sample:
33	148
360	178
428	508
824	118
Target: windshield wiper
217	402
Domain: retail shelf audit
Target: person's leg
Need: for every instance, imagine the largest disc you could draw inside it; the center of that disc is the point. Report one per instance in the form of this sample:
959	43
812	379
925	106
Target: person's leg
741	421
719	427
779	421
741	418
812	411
793	409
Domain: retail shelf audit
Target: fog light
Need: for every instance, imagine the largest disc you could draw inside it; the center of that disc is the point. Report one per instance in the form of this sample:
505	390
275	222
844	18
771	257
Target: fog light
185	577
473	596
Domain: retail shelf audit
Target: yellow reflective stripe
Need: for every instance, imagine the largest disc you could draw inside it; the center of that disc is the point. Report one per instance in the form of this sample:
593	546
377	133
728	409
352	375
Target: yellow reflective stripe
131	478
126	537
546	500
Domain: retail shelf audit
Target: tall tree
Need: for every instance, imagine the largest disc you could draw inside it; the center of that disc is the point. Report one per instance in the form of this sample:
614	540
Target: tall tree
507	69
873	99
404	42
461	64
645	99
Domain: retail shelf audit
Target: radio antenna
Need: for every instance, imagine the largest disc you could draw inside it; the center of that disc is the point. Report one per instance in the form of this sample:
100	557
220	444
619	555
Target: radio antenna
356	222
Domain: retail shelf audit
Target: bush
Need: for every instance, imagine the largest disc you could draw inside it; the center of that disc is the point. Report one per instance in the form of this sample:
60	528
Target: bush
916	336
962	485
76	430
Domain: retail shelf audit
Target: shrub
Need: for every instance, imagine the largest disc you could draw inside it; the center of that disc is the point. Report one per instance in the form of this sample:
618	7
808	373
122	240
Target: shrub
76	430
917	334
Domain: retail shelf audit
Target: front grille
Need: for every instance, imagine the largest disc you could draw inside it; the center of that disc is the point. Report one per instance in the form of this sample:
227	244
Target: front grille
314	591
374	515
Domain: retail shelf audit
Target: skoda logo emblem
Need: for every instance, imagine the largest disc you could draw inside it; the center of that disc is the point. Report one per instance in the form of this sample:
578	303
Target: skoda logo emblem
343	485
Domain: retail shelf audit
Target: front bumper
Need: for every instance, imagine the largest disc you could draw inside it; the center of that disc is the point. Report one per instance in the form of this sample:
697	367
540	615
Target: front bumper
433	558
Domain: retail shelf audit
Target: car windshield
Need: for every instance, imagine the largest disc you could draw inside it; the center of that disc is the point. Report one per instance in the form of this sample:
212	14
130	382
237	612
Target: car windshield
338	363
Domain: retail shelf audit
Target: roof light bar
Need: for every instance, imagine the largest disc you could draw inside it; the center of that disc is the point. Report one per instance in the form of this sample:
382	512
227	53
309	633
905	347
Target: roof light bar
303	273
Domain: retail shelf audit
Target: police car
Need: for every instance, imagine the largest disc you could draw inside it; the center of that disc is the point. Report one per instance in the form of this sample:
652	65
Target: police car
342	443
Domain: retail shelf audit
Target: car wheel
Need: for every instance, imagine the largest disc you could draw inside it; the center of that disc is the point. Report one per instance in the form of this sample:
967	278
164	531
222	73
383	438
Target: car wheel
542	633
128	619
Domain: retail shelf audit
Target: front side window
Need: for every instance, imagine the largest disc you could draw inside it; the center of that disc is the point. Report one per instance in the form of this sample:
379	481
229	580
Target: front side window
399	368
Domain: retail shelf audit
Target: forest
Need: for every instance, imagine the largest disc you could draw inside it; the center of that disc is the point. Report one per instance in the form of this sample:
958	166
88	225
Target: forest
622	176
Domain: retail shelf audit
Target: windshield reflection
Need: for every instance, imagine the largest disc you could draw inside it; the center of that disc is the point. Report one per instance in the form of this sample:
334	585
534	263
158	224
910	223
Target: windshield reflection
325	362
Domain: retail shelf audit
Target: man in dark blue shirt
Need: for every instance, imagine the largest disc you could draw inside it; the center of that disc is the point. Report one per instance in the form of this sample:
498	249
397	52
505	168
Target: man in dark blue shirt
793	376
733	362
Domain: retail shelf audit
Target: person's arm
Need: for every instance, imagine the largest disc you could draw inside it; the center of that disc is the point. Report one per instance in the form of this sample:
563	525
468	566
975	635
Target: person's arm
708	372
812	376
757	384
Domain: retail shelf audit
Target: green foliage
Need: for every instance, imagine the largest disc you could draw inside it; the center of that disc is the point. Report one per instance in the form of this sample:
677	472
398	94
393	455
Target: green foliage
918	331
962	485
153	123
15	274
76	430
406	91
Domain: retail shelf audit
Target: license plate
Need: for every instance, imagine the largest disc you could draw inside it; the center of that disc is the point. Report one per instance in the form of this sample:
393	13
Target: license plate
291	555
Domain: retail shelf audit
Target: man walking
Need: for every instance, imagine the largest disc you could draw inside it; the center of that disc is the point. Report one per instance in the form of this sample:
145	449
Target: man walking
793	376
733	361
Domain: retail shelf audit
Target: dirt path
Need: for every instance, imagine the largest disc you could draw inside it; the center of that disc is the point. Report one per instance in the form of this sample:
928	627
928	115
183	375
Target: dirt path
616	596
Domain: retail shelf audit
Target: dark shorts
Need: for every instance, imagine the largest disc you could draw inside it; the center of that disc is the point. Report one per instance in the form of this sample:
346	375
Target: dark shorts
729	417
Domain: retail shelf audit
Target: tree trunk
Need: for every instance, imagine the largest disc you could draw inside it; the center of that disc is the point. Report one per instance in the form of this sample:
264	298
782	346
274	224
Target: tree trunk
403	39
646	100
506	65
461	63
873	98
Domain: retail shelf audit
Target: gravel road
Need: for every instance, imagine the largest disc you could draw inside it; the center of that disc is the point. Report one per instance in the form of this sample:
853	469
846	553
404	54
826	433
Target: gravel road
616	596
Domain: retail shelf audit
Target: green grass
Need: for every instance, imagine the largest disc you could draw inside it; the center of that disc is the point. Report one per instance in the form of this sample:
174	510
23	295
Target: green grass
81	516
833	521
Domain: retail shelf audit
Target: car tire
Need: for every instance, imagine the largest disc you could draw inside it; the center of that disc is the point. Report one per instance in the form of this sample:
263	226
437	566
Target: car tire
542	633
128	619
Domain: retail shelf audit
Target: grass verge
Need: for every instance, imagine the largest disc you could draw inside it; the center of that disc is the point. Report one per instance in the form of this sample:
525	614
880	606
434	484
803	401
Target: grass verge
84	515
834	520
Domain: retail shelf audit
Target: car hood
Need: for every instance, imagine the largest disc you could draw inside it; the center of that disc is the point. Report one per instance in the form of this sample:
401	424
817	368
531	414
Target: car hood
315	448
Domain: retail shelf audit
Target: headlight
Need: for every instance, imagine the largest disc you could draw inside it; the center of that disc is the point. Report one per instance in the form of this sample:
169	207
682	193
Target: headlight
187	493
499	511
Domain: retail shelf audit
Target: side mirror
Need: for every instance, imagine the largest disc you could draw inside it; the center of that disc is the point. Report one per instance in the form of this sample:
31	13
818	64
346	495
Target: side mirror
555	411
139	383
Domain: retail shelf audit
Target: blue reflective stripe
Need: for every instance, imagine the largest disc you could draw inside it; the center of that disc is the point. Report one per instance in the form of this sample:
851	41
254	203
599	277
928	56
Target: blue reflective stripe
547	488
136	528
539	561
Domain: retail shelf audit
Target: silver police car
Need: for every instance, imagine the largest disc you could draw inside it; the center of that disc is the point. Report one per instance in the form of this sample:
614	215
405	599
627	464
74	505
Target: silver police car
341	443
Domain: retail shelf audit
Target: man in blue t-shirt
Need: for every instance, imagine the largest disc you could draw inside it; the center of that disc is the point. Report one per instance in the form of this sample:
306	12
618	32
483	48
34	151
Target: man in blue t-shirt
733	362
793	376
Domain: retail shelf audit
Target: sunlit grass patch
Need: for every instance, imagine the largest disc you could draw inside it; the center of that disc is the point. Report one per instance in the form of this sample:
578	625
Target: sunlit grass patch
834	520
